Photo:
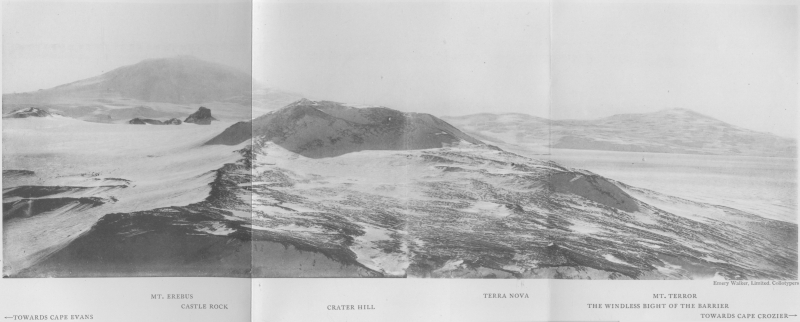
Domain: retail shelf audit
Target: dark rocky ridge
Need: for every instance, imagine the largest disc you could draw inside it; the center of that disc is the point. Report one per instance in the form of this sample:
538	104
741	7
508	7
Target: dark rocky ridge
202	117
172	121
28	112
328	129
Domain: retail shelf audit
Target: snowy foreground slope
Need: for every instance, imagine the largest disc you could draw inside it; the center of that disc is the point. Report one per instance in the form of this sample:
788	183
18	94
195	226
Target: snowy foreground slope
291	204
60	175
469	211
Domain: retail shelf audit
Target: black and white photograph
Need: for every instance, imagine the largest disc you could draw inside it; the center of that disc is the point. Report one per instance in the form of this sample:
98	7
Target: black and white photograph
422	141
419	140
530	140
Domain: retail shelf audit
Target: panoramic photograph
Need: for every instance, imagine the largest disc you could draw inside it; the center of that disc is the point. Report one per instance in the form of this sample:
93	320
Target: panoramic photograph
402	140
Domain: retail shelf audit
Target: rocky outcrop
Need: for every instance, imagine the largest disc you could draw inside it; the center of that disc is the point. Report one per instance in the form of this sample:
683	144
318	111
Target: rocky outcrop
28	112
142	121
202	116
592	187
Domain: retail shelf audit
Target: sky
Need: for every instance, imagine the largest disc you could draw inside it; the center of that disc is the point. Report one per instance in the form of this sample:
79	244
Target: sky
46	44
443	58
735	61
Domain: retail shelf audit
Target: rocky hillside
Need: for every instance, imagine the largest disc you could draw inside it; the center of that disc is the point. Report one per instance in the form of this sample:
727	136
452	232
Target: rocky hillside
667	131
327	129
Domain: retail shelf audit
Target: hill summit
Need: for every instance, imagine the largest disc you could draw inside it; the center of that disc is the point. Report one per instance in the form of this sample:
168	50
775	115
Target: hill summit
319	129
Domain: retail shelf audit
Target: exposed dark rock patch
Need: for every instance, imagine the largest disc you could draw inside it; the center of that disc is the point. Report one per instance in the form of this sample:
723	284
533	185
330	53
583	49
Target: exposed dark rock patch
44	191
33	207
234	134
202	116
141	121
28	112
38	191
145	121
328	129
594	188
148	244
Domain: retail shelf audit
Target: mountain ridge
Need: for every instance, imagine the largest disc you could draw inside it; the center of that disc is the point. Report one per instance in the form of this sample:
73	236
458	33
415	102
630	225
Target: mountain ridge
677	130
177	80
152	88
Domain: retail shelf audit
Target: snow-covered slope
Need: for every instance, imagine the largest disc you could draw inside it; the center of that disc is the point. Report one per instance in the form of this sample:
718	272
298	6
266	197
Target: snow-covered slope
60	175
667	131
413	196
477	212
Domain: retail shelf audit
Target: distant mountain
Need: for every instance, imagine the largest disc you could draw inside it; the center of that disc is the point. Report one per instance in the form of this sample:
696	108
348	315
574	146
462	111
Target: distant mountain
666	131
27	112
178	80
326	129
153	88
